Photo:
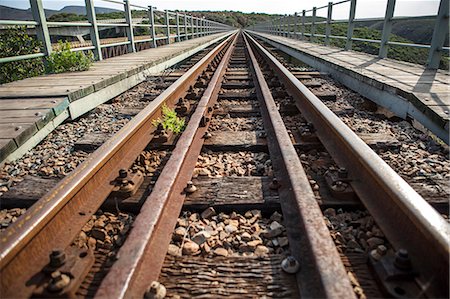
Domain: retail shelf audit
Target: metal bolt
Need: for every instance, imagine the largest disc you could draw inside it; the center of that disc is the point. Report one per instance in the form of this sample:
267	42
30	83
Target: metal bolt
402	260
274	185
58	282
155	291
190	188
123	173
57	258
290	265
342	173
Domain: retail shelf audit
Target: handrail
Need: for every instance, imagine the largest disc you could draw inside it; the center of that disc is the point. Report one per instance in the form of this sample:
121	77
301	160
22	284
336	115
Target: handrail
289	25
186	27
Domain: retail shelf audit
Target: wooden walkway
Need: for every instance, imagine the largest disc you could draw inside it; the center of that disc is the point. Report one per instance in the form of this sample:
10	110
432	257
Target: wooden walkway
33	107
428	91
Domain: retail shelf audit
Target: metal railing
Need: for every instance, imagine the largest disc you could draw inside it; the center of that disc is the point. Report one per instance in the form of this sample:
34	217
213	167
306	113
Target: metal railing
175	26
295	25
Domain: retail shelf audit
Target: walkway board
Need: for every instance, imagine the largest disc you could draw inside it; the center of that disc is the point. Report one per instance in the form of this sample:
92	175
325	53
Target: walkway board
28	105
427	90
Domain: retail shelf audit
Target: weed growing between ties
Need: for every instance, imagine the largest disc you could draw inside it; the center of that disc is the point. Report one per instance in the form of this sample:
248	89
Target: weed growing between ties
170	121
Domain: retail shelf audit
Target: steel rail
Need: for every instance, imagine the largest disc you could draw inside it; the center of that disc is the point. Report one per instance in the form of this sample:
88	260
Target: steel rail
56	219
140	259
407	220
322	273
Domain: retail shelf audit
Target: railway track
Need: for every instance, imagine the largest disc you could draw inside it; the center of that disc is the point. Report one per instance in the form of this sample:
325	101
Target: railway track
227	208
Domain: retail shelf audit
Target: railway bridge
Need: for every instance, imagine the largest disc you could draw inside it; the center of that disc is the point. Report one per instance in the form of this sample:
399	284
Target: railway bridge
203	160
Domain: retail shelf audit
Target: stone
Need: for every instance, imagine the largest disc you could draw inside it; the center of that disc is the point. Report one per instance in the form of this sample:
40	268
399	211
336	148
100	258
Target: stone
283	241
275	225
374	242
230	228
246	237
190	248
222	235
253	244
353	244
201	237
221	251
179	233
330	212
174	250
209	212
261	250
98	234
276	217
183	222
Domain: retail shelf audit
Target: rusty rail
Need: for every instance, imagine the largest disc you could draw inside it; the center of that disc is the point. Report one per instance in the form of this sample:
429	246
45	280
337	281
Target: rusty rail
140	259
57	218
323	274
408	221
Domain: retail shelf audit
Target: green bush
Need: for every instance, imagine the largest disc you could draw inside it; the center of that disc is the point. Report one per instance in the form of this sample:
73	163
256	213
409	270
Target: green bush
170	121
14	42
64	60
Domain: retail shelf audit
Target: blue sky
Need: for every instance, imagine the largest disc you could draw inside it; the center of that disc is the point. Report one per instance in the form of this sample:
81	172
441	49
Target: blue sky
365	8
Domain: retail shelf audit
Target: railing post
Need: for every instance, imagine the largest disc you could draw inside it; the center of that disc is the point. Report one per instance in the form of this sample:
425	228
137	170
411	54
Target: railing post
328	25
151	16
288	26
351	25
186	37
129	29
90	12
168	26
37	9
387	27
178	26
303	23
439	34
295	25
313	24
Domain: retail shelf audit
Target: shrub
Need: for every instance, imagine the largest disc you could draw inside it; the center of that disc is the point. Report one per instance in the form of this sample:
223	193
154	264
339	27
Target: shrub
170	121
64	60
13	42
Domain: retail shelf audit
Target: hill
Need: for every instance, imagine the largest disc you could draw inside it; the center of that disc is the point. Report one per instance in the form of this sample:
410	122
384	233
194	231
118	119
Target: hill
11	13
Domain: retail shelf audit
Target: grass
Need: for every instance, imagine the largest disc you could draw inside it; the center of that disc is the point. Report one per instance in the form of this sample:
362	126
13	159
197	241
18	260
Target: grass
170	121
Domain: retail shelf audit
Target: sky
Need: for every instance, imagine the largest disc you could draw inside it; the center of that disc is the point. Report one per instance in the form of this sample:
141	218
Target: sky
364	8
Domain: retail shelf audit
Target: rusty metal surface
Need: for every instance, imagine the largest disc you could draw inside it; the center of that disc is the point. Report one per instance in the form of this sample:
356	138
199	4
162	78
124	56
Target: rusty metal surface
310	240
405	217
140	259
57	218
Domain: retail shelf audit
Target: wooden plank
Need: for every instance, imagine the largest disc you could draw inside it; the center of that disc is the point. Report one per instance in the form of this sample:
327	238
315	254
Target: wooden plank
232	191
246	138
227	277
39	116
27	192
56	104
7	146
19	132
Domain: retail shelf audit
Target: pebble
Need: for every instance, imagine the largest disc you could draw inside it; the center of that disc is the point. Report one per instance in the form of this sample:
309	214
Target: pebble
190	248
174	250
208	213
221	251
261	250
374	242
234	233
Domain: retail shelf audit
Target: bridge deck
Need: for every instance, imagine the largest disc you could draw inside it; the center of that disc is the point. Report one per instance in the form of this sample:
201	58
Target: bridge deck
33	107
426	90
